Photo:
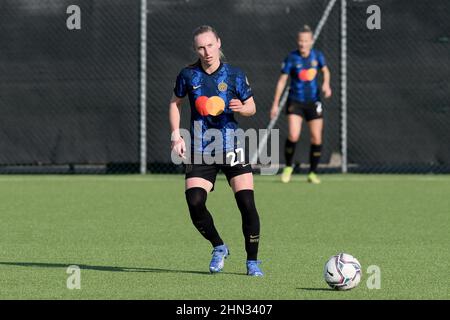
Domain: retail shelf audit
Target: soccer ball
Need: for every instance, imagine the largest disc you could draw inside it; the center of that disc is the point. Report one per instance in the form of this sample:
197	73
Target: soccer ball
342	272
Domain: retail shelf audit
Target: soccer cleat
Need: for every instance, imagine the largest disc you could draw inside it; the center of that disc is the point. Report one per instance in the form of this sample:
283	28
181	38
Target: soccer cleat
312	178
253	268
286	174
217	261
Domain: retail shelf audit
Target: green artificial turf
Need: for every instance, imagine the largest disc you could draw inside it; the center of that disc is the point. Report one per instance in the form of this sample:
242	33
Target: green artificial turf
132	237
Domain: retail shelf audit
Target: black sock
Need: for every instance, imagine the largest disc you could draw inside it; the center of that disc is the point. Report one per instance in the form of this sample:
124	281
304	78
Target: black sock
314	157
289	151
250	222
201	218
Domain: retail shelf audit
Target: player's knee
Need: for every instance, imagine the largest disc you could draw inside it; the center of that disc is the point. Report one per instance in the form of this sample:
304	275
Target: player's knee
316	140
246	202
250	219
196	198
293	137
245	197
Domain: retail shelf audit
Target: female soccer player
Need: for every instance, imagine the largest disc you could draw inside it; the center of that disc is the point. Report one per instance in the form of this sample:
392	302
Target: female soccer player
302	66
216	92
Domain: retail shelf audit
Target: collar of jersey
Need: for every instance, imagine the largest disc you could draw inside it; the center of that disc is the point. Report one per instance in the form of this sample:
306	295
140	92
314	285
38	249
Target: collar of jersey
215	71
310	53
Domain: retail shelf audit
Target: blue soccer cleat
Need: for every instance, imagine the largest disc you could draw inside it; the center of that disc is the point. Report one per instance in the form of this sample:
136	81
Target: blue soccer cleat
217	261
253	268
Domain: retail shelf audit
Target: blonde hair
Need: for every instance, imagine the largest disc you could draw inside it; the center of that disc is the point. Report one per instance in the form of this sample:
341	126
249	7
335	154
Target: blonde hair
304	29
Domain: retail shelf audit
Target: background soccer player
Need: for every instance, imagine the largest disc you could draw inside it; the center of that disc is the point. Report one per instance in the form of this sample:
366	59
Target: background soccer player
303	102
216	91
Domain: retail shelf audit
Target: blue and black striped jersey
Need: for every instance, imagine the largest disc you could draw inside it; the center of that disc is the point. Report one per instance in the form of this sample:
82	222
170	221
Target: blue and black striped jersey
303	72
212	92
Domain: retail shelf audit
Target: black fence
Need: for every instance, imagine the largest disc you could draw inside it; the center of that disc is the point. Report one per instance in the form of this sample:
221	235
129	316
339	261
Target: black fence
398	88
69	99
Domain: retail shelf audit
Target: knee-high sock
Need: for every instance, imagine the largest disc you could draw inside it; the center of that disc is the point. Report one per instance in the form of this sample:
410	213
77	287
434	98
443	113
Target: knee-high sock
250	222
289	151
201	218
314	156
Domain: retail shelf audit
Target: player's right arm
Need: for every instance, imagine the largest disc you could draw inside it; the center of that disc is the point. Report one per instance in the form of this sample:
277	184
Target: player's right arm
178	146
281	84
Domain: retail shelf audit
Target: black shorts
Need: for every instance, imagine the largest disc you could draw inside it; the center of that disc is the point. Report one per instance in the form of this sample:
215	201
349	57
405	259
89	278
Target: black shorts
209	171
307	110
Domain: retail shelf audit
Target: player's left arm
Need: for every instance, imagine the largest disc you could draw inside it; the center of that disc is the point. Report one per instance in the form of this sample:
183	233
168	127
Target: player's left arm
243	103
246	108
326	88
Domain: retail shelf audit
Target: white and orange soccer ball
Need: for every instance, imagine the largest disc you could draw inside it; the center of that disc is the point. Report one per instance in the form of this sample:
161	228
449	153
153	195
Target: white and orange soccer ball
342	272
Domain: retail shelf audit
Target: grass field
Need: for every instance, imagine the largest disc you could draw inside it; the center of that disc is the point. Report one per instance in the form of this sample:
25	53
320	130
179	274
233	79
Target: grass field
133	239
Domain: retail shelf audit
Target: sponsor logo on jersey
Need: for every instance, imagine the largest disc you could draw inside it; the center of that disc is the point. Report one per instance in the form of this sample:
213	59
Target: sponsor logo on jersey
307	74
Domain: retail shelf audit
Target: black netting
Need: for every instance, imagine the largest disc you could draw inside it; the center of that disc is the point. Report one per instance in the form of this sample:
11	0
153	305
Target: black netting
398	89
69	100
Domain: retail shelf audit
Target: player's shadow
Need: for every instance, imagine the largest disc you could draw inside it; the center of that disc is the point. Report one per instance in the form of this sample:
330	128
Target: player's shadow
105	268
